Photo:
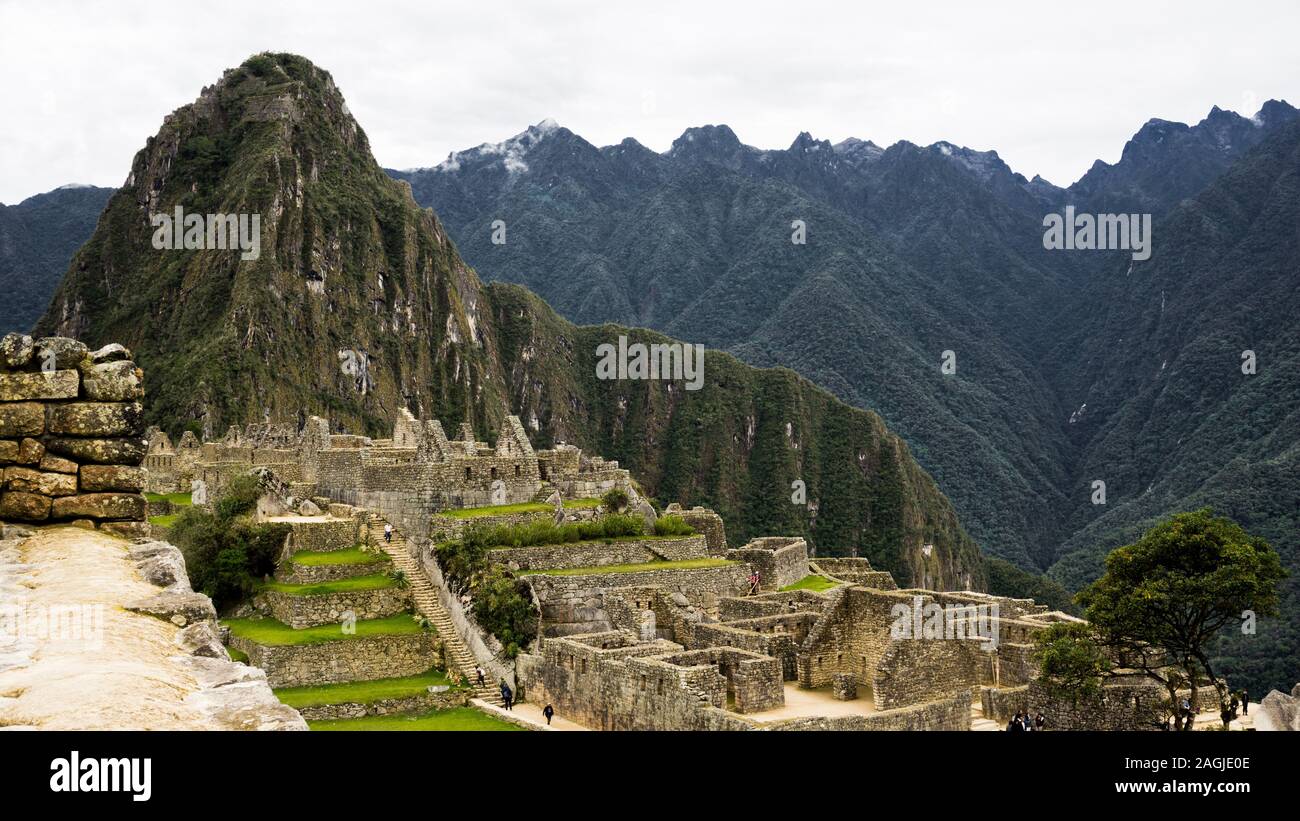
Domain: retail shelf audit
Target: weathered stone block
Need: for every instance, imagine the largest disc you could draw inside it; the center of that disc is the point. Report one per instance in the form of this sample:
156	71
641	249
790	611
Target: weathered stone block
23	387
100	506
111	353
62	351
128	530
22	419
101	451
114	382
30	452
55	464
100	478
844	687
8	451
27	507
26	480
97	419
16	350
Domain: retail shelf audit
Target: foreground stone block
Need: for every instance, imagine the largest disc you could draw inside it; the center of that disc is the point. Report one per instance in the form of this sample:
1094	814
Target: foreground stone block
179	607
26	480
102	478
26	507
16	350
22	419
100	506
64	352
8	451
111	353
55	464
97	419
23	387
101	451
128	530
30	452
114	382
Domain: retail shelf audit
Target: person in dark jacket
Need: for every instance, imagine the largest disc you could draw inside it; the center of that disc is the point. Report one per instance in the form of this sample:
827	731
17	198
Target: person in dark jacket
548	711
1016	725
1040	722
506	695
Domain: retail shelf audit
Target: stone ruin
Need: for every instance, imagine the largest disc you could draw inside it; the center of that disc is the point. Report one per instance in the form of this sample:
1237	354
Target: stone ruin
416	472
71	435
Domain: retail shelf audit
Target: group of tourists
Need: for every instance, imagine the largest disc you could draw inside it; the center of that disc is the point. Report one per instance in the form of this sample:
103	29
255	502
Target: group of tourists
1024	722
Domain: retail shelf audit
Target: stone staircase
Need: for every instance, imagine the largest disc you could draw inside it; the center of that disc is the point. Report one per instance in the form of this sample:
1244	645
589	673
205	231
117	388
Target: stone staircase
426	601
544	492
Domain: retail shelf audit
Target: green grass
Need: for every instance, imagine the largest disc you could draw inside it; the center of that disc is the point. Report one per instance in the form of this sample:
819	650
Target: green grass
164	521
361	692
318	558
814	583
457	719
237	655
687	564
521	507
377	581
272	632
494	510
178	499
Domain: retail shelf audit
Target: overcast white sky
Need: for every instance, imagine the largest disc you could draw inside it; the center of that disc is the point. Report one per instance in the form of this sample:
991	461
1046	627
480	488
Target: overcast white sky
1051	86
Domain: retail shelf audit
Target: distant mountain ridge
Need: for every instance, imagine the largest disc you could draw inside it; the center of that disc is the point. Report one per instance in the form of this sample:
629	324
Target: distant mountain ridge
37	238
911	251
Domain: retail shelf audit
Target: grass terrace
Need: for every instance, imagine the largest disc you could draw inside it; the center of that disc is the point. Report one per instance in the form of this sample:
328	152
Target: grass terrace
363	692
178	499
318	558
164	521
457	719
237	655
275	633
522	507
814	583
376	581
687	564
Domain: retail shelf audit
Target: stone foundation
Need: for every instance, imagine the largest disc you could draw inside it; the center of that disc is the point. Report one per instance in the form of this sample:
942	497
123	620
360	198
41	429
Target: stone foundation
333	662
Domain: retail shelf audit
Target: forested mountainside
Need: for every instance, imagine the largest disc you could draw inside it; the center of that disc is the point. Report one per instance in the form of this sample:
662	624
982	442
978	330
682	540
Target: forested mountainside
359	305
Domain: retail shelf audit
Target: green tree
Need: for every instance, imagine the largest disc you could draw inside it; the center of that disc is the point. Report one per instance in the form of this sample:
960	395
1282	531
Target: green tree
1164	599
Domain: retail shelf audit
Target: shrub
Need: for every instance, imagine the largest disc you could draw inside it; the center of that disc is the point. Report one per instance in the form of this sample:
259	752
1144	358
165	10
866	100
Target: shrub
672	526
503	607
225	551
615	499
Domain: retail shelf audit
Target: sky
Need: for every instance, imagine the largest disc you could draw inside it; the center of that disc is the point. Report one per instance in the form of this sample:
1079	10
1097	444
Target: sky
1050	86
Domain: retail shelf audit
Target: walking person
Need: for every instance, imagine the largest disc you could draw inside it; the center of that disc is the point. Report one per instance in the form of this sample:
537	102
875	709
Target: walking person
506	695
1245	702
388	533
478	672
548	711
1040	722
1016	725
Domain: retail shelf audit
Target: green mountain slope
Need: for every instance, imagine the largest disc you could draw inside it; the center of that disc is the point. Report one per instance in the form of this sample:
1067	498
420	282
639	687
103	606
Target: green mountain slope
37	238
360	305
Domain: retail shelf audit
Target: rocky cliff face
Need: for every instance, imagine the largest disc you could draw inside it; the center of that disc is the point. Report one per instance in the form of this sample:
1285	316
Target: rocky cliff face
359	306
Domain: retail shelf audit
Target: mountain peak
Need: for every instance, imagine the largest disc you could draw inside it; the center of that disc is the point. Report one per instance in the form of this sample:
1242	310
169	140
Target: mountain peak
510	153
717	140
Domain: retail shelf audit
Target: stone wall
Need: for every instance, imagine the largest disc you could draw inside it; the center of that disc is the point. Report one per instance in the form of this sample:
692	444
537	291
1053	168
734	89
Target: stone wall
575	604
596	554
422	703
949	714
71	435
603	681
914	671
351	659
330	608
779	561
706	522
324	536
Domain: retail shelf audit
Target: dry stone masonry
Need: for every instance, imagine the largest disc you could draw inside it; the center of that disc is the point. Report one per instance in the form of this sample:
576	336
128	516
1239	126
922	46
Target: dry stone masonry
71	435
